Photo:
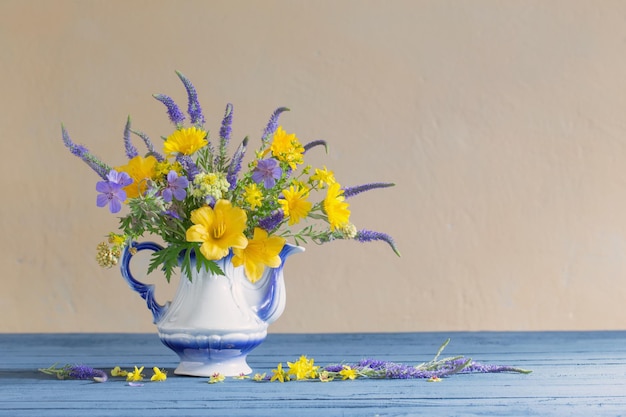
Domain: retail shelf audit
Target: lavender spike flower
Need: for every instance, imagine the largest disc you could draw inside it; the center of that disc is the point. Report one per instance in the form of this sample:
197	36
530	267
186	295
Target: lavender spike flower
188	165
369	236
76	372
272	125
149	145
314	144
174	113
352	191
83	153
271	222
225	133
235	163
194	109
131	151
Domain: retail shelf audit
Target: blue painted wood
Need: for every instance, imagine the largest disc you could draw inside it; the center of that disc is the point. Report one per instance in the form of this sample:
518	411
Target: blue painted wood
573	373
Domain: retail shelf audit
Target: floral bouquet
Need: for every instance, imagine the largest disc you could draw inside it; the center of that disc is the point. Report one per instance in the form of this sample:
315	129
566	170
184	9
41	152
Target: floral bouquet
198	200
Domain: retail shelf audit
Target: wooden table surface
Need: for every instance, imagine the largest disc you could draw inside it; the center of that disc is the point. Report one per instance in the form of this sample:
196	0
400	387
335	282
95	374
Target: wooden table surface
574	373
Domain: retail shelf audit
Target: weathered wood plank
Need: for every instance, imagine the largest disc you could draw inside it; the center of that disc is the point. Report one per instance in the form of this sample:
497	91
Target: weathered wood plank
573	372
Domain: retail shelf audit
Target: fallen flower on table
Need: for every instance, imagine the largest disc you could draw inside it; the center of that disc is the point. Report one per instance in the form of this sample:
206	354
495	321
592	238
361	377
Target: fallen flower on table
432	371
159	375
117	371
135	375
76	372
216	377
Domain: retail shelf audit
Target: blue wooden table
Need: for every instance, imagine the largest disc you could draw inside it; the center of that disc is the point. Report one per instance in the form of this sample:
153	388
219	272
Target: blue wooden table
573	373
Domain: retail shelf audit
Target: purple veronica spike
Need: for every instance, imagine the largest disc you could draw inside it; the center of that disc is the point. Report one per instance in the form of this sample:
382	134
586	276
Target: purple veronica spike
352	191
111	191
272	125
194	109
131	151
225	133
76	372
188	165
266	171
175	187
83	153
149	145
272	221
316	143
226	129
369	236
174	113
235	163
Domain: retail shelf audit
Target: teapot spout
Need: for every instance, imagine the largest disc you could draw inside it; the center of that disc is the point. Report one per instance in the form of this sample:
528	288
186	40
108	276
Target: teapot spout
267	296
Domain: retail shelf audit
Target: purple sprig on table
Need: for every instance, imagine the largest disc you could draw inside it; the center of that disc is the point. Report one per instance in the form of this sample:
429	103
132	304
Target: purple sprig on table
194	110
82	372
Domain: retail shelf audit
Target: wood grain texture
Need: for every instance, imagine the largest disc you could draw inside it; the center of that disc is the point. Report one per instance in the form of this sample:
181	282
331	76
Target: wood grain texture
573	373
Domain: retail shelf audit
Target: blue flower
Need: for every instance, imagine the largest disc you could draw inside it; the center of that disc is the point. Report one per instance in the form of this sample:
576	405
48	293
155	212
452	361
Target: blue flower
267	171
112	190
175	187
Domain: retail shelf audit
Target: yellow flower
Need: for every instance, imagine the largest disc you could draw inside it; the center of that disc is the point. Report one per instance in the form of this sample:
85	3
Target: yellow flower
323	177
163	168
303	368
347	373
219	229
259	377
159	375
279	374
434	379
141	170
294	205
212	184
287	148
135	375
117	371
216	377
261	251
335	207
185	141
116	239
241	376
253	196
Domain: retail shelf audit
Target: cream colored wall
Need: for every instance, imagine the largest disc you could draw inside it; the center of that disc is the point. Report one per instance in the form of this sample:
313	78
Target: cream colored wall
503	124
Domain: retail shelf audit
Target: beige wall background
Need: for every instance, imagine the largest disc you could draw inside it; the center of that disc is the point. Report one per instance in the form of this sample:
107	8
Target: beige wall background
503	124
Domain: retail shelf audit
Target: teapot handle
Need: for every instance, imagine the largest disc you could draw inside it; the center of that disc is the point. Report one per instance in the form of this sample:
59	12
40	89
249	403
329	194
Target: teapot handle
145	290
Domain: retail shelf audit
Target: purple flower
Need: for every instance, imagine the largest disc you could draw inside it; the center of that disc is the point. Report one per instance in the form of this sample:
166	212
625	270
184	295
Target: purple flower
194	109
352	191
149	145
175	187
76	372
272	125
235	163
80	151
131	151
272	221
369	236
267	171
226	130
174	113
316	143
188	165
111	191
